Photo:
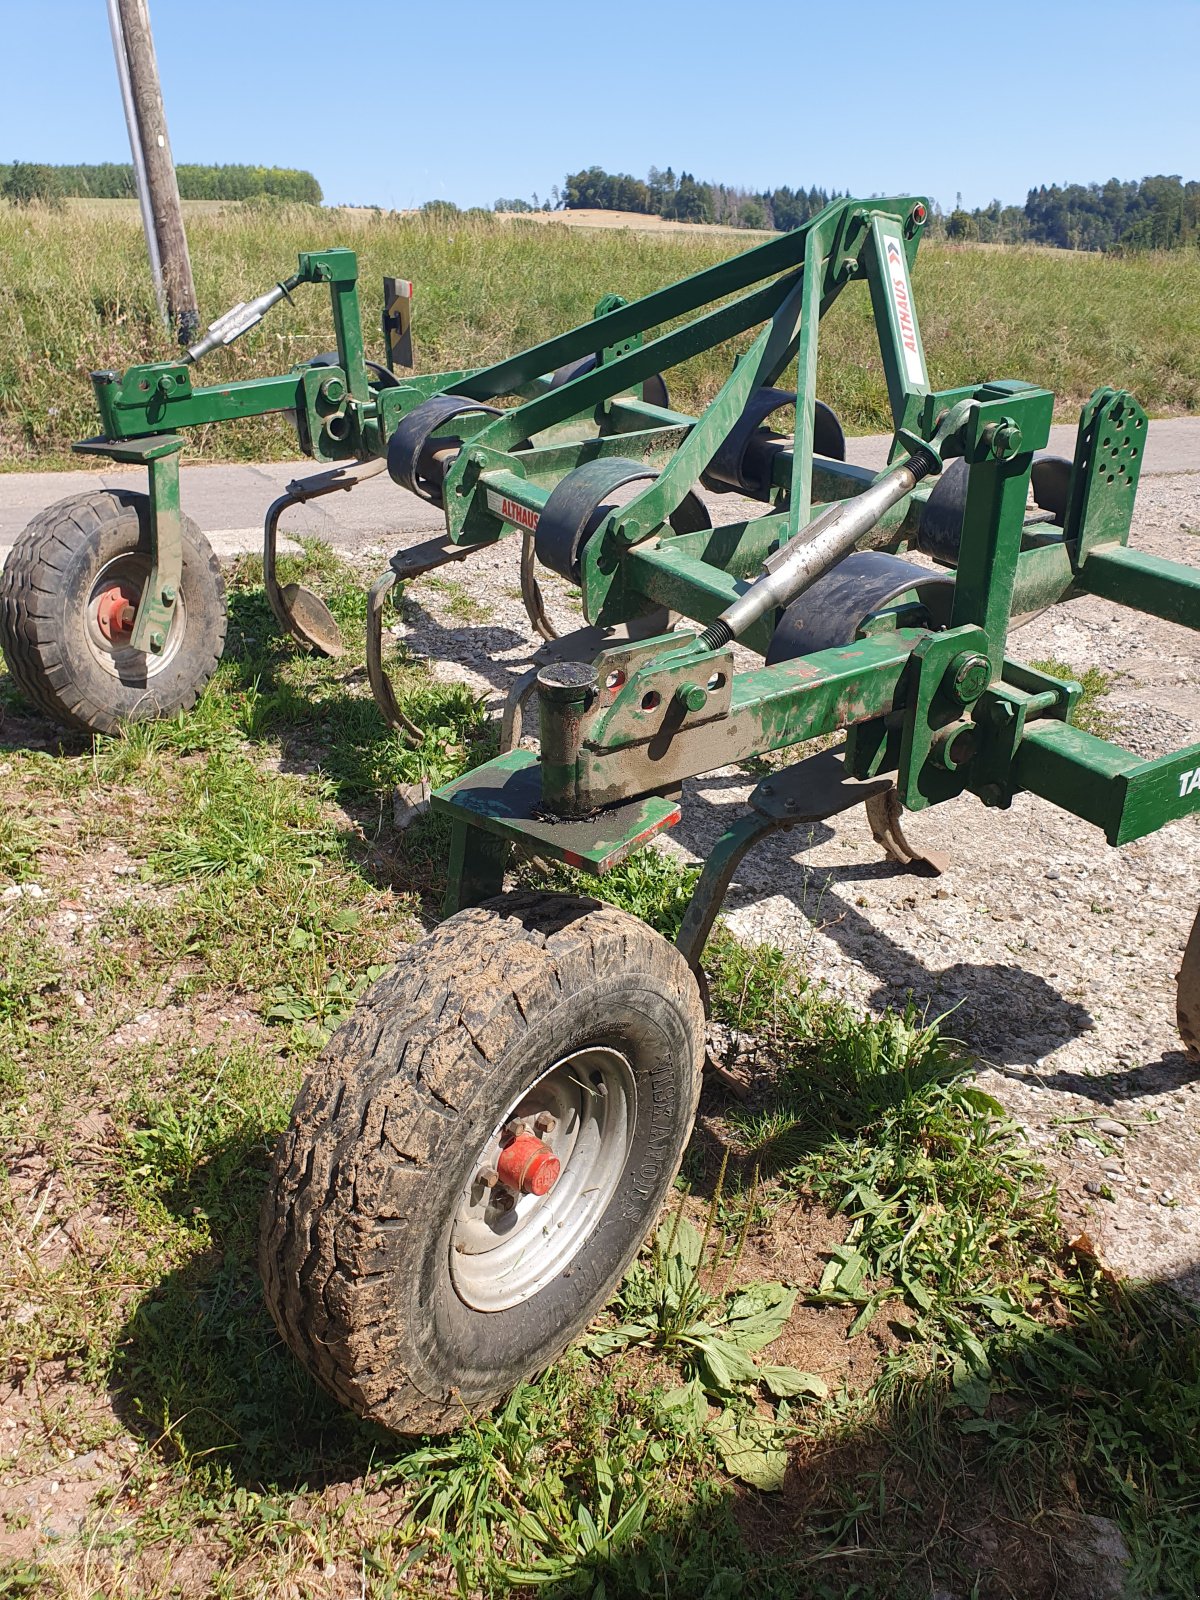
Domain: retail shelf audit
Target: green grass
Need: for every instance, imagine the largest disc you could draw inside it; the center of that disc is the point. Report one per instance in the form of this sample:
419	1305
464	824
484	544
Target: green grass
934	1370
75	297
1089	713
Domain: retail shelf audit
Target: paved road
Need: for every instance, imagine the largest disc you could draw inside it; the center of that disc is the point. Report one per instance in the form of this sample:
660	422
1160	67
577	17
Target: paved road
229	501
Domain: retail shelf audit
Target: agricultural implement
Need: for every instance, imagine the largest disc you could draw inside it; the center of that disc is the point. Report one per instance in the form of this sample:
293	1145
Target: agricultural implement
112	605
488	1140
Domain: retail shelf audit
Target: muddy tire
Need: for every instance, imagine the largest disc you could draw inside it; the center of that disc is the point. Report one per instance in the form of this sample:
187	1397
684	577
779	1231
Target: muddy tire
389	1266
1188	999
58	639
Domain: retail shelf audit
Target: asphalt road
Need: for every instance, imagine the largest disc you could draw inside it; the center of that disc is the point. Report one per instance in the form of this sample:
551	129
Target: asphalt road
229	501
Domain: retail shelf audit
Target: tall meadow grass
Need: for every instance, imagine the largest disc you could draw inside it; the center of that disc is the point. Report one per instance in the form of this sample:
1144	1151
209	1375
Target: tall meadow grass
75	295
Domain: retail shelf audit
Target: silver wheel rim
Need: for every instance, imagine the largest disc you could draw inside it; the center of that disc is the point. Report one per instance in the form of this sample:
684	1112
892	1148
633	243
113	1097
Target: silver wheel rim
498	1258
118	660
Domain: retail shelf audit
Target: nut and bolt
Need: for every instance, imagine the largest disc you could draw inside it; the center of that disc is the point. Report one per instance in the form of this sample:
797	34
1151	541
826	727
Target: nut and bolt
488	1177
970	675
544	1123
157	640
692	696
168	594
503	1199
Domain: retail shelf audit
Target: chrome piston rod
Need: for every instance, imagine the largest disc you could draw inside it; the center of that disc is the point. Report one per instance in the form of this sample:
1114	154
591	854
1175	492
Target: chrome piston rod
798	564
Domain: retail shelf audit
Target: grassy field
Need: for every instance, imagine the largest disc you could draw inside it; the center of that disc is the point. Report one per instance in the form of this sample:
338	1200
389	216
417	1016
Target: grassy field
75	295
860	1361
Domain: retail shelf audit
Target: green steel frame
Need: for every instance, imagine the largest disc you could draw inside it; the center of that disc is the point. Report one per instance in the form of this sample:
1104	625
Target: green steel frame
942	712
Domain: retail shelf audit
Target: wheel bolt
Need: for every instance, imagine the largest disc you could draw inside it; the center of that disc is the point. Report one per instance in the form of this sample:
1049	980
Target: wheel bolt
503	1199
168	595
488	1177
544	1123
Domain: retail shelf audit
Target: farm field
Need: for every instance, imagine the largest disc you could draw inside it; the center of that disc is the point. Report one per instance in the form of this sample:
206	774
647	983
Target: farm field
75	296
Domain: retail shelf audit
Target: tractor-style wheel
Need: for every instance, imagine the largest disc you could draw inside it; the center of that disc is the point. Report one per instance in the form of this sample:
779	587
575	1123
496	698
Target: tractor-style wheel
479	1156
1188	995
68	594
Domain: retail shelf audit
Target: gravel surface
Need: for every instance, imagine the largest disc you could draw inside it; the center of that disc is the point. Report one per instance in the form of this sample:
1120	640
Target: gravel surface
1050	955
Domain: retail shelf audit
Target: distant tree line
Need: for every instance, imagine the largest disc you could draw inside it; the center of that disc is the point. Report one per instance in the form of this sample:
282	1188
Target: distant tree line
1155	213
685	198
1158	213
26	181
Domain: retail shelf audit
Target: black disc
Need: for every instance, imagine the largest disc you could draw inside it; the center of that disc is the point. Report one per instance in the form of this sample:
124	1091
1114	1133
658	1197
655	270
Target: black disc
411	449
829	614
654	388
581	501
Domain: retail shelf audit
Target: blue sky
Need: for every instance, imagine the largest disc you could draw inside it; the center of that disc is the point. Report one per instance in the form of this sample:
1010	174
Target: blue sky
466	100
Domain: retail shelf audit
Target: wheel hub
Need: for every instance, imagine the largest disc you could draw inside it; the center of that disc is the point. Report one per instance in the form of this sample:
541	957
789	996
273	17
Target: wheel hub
528	1165
542	1180
116	609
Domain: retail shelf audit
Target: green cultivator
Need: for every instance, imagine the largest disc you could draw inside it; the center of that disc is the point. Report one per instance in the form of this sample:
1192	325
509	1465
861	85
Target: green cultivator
489	1139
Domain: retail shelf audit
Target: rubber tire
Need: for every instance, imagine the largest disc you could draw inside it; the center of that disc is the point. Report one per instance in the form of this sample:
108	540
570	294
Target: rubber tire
43	590
1187	1002
385	1135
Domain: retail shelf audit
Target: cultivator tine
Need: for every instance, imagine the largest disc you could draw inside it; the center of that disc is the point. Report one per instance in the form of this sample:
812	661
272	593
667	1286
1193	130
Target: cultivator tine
531	593
883	814
299	612
381	683
1188	1001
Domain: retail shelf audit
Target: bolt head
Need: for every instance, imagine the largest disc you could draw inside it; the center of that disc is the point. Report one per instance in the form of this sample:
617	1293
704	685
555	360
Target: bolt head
157	640
693	696
970	675
544	1123
168	594
488	1177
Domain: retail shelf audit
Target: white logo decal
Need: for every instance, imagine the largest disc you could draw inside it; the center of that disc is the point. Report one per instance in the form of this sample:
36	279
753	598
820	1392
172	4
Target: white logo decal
1189	782
897	275
502	506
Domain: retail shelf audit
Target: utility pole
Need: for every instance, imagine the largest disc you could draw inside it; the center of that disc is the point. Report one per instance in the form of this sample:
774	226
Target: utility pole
154	170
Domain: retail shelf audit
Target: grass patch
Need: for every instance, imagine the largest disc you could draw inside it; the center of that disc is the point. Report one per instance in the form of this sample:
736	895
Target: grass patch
731	1427
1089	713
76	298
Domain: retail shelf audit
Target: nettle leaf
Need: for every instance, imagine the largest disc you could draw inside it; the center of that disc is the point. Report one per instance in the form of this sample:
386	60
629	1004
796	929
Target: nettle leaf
609	1340
750	1448
723	1366
758	1315
679	1239
916	1291
979	1101
296	1010
969	1388
690	1401
844	1272
786	1382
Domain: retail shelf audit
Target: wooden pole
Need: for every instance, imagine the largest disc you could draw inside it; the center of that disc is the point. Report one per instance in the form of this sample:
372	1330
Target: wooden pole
155	149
